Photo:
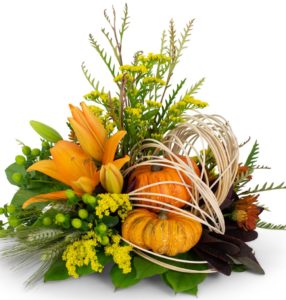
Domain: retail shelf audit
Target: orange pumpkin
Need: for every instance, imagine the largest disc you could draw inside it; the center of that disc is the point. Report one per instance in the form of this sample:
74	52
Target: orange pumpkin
145	175
168	234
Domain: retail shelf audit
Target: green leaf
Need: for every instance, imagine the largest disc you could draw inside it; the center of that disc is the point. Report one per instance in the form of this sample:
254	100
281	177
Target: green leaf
183	282
22	195
238	268
121	280
103	259
57	271
145	268
110	221
14	168
193	291
46	132
84	270
150	114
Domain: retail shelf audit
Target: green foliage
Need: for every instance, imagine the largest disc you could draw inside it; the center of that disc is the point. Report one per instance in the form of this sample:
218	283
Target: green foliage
183	282
266	225
121	280
145	268
253	156
57	271
12	169
264	188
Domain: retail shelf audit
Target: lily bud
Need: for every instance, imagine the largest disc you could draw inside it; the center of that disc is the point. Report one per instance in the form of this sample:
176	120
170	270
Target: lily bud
111	178
46	132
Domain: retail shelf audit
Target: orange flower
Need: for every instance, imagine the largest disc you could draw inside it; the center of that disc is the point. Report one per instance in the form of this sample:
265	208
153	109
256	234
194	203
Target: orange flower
71	166
92	136
246	212
89	131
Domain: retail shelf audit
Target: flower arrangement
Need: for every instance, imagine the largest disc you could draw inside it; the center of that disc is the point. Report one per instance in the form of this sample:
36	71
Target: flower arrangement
145	181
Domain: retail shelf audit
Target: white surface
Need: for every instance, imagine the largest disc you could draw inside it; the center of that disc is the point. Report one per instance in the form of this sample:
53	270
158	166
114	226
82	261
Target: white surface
239	46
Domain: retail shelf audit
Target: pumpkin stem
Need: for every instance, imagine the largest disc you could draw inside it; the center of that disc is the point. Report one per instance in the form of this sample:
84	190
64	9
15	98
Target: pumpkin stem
156	168
162	215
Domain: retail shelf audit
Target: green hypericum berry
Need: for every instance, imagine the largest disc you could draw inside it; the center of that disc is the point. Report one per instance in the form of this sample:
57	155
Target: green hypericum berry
17	177
20	160
36	152
47	221
2	210
104	240
76	223
13	221
46	145
101	228
88	199
11	209
26	150
70	194
83	213
60	218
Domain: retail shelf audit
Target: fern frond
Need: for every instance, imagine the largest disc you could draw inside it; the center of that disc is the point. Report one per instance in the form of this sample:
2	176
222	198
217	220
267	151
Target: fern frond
261	167
253	155
242	179
125	22
264	188
91	80
195	88
107	59
171	99
111	43
184	39
172	40
266	225
163	42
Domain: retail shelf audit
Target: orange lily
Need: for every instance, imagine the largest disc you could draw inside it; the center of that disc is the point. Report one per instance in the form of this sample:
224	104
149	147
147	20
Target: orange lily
92	136
71	166
89	131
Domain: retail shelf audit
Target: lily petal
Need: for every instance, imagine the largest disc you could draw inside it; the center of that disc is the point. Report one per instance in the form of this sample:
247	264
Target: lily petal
87	142
95	125
111	146
120	162
85	184
73	163
54	196
48	167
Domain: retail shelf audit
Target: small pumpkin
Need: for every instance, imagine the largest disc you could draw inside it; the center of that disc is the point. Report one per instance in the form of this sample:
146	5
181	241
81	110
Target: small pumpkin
145	175
162	233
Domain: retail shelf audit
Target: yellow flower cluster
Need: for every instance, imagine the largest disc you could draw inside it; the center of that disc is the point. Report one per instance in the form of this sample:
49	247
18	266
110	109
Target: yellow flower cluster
134	69
153	80
121	254
153	104
151	57
95	95
134	112
195	102
110	203
126	76
97	111
82	253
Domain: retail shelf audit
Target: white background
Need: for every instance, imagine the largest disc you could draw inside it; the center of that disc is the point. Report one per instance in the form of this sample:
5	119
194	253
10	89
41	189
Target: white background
239	46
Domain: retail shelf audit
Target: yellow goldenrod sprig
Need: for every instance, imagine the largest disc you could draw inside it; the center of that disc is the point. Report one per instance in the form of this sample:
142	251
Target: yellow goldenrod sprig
121	254
82	253
110	203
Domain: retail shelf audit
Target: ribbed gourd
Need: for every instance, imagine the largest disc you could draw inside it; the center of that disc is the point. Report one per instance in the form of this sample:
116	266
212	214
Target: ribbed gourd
163	233
146	175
